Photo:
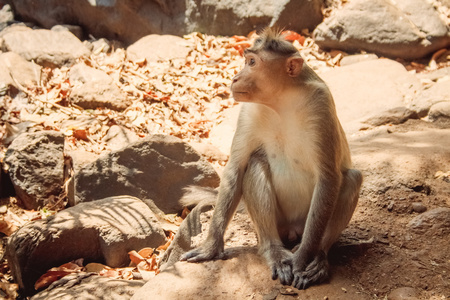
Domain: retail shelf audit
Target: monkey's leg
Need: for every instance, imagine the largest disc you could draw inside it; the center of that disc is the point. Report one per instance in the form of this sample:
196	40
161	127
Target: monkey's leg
260	200
317	270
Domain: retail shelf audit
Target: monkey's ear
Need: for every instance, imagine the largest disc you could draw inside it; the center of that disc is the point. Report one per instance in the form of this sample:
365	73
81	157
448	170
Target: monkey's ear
294	66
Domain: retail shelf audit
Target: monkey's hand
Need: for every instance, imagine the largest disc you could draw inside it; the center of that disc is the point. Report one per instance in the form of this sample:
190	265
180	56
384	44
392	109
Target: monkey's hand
308	272
205	252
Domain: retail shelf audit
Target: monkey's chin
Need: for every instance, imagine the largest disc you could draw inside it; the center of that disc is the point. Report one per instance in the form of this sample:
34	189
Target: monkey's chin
240	97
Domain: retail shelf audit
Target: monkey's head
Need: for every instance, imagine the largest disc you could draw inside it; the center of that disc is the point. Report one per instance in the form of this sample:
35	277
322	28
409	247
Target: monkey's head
272	67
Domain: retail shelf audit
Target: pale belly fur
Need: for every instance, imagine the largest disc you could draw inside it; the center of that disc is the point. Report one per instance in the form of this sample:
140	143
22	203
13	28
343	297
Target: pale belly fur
292	164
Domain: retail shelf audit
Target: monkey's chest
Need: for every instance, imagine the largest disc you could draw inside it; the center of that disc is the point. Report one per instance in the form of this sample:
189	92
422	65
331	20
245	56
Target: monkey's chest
293	179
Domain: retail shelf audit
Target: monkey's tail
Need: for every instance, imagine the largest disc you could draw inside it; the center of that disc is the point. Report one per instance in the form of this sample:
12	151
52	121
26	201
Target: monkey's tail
193	195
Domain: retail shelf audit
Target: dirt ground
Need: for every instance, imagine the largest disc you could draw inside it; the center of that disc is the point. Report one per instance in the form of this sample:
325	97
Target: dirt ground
397	243
396	255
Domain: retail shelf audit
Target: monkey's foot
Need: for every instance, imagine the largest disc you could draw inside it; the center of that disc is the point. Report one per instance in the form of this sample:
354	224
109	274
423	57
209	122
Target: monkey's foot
201	254
280	261
316	272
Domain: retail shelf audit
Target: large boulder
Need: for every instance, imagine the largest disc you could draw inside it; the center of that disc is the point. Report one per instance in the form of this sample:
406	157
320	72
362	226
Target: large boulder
371	92
129	20
36	166
408	29
154	169
100	231
46	47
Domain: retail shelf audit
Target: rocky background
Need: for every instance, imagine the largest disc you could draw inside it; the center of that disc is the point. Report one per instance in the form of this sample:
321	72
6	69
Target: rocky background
108	109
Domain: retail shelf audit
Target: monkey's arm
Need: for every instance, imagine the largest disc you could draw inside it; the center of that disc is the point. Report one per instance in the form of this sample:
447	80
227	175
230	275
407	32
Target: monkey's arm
230	192
322	206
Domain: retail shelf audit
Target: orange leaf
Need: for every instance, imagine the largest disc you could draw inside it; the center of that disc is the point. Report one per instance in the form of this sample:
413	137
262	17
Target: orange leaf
146	252
80	134
48	278
185	212
293	36
7	228
239	38
109	273
135	257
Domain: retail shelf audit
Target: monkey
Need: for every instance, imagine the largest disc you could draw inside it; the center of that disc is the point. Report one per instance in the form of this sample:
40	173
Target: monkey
289	163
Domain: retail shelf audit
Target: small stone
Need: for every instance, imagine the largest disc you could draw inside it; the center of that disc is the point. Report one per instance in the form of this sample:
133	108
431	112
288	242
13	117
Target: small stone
390	205
418	207
435	219
403	293
3	209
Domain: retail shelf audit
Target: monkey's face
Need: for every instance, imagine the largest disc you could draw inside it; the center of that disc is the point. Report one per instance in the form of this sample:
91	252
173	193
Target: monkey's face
263	79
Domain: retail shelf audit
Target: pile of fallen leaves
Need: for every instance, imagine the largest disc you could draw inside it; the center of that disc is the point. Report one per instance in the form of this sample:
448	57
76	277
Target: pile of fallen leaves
184	98
144	265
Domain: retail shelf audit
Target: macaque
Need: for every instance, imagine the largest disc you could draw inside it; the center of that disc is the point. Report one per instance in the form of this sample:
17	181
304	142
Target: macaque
289	163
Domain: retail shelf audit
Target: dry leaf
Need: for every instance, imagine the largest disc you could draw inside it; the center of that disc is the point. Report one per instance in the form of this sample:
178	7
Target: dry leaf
54	274
135	257
48	278
185	212
146	252
109	272
95	267
7	227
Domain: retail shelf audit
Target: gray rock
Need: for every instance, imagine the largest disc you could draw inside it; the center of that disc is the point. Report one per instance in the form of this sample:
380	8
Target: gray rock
409	29
36	166
403	293
47	48
418	207
397	115
119	137
432	220
6	16
74	29
154	169
439	111
13	28
101	45
100	231
15	71
435	74
240	17
94	88
83	73
369	89
356	58
439	92
158	47
130	20
86	286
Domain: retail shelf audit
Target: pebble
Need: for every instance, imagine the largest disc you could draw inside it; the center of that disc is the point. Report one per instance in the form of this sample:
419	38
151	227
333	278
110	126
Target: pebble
418	207
3	209
403	293
390	205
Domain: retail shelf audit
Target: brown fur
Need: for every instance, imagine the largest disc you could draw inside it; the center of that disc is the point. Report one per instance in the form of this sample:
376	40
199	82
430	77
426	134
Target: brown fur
289	163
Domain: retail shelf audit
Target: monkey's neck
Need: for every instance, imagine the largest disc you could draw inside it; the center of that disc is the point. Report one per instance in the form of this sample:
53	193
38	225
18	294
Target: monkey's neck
286	101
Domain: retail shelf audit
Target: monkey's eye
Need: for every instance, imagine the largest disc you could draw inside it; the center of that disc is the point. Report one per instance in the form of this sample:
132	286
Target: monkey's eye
251	62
